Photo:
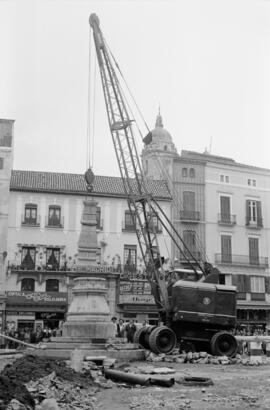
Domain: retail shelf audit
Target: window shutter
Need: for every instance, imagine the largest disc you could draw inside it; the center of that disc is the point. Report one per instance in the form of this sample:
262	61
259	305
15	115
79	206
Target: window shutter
267	285
247	213
247	283
259	213
225	205
226	248
189	201
253	250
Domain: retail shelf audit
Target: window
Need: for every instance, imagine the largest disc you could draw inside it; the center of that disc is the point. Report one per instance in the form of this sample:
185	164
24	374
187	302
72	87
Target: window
129	220
190	242
253	245
165	148
54	215
99	222
30	214
226	249
224	178
28	258
184	172
225	209
52	258
5	141
52	285
192	173
251	182
257	284
253	213
154	224
28	285
130	258
189	201
1	163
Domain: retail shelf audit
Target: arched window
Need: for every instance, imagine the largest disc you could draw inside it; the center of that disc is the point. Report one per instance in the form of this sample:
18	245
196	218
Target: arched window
192	173
184	172
52	285
28	285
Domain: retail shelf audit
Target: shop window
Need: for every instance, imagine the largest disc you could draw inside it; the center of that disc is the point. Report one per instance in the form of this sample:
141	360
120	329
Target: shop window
52	285
54	218
52	258
28	258
28	285
30	214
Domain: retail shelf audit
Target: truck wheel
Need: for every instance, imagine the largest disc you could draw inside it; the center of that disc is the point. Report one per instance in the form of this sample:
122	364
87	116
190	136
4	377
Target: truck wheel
223	344
162	340
141	336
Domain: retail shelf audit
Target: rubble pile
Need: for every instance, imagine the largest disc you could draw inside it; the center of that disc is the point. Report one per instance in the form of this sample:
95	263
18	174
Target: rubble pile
48	379
205	358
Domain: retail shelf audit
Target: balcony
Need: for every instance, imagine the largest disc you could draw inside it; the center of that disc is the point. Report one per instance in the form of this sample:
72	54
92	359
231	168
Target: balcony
54	222
254	224
190	216
196	255
241	260
33	222
226	219
128	227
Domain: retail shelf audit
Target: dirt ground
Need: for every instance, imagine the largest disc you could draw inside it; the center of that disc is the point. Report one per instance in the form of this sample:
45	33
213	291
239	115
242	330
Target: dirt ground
235	387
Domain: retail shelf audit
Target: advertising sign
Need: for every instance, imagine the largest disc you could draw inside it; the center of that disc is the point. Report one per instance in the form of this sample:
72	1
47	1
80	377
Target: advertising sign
36	298
135	291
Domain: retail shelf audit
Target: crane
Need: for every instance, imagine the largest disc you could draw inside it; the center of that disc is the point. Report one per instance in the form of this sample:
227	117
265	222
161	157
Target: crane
142	204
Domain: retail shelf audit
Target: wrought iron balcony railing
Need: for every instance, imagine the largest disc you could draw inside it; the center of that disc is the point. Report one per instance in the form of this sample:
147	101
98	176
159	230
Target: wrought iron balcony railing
226	219
30	221
241	260
191	216
257	223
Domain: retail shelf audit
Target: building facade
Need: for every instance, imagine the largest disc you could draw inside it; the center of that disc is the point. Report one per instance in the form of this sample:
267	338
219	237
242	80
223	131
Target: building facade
45	211
6	161
221	209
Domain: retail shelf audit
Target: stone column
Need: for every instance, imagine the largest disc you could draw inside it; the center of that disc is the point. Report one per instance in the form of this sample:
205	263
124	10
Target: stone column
87	244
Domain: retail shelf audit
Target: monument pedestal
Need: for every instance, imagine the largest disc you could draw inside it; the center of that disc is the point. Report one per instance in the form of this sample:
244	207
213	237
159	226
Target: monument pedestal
89	313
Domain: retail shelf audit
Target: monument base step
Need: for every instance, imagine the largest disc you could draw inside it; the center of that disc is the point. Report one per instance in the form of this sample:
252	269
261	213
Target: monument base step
126	355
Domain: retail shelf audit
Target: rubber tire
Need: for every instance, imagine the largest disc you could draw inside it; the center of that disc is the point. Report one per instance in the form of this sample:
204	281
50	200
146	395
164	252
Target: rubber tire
137	336
223	344
156	337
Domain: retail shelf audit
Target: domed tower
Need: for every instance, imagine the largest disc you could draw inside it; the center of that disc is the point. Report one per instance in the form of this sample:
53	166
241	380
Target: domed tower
158	152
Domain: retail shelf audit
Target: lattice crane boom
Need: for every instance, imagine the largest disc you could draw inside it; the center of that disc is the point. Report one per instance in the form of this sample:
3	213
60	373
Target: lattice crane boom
140	201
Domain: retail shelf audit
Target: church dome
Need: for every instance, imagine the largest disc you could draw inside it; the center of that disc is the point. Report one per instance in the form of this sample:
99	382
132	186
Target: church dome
160	138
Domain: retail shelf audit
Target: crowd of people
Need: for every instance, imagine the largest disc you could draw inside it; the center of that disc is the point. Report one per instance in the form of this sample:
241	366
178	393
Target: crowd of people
28	335
125	330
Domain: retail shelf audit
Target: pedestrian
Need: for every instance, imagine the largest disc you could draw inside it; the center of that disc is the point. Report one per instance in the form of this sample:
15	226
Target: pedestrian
114	321
120	328
130	330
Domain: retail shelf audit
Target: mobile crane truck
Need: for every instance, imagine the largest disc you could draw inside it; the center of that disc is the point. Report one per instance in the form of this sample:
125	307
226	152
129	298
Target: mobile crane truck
199	311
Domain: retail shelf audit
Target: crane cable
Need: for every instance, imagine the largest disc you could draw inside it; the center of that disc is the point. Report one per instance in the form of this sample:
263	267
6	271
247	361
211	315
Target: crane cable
90	132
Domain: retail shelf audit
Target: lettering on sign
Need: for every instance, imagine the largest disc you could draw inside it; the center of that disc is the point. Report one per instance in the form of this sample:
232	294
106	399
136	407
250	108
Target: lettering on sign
141	299
37	297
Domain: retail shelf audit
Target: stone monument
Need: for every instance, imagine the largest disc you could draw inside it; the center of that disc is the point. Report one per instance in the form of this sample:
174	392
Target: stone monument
89	314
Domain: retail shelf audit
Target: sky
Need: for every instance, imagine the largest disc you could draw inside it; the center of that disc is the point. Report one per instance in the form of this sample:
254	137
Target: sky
205	63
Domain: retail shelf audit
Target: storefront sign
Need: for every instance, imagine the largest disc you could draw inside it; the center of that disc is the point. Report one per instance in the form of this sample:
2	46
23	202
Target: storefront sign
37	298
49	315
139	299
135	287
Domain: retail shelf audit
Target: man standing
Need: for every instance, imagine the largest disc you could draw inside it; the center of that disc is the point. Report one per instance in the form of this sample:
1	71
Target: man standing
130	329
